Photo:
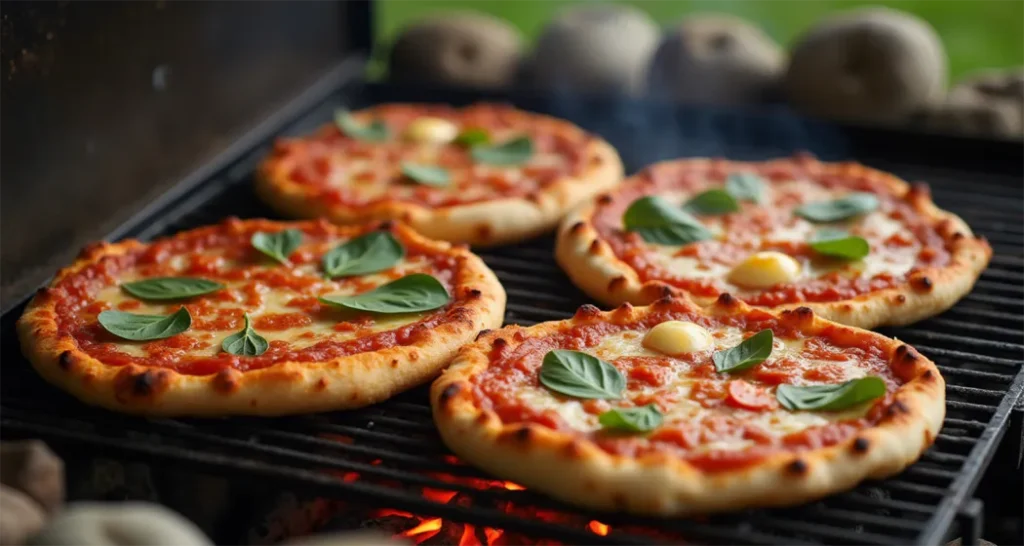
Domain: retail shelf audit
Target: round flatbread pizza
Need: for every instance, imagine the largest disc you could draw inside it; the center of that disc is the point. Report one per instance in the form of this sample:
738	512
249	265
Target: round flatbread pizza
672	409
854	244
486	174
258	317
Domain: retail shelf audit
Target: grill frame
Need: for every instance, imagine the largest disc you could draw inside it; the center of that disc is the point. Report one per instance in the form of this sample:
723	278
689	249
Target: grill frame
985	379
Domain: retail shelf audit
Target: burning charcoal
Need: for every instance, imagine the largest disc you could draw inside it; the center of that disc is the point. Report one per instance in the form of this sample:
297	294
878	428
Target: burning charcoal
119	524
32	468
601	47
21	516
716	59
461	49
357	538
873	64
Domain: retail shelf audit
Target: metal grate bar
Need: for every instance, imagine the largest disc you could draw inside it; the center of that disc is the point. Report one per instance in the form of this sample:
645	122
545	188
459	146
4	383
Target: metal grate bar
970	327
965	356
964	372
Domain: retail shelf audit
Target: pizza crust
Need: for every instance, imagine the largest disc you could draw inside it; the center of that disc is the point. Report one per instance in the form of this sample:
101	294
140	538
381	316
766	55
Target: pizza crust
485	223
592	265
284	388
576	470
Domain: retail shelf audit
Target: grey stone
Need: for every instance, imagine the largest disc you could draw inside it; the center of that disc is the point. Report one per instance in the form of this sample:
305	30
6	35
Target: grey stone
20	516
32	468
119	524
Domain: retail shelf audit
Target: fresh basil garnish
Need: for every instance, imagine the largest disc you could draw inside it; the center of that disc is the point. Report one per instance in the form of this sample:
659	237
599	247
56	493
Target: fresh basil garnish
839	209
472	137
753	350
830	397
745	187
135	327
580	375
170	288
508	153
659	222
368	253
375	131
278	245
839	244
410	294
245	343
640	419
712	202
429	175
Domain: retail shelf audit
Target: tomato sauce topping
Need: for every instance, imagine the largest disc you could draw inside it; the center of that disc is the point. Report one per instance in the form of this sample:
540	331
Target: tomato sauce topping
757	227
223	253
345	171
709	408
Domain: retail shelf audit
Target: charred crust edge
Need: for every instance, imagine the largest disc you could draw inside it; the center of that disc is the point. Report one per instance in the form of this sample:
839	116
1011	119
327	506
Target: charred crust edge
65	360
861	445
797	466
449	392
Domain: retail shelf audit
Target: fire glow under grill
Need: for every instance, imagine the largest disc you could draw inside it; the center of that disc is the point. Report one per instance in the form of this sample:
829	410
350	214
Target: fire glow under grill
389	458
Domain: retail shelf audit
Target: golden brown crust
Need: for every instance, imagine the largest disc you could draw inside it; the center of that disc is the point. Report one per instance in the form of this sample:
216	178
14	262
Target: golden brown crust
574	469
486	223
594	267
284	388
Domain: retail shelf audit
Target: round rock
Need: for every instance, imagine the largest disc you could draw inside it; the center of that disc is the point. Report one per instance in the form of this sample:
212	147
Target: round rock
873	64
716	59
986	103
31	467
20	516
457	49
594	48
120	524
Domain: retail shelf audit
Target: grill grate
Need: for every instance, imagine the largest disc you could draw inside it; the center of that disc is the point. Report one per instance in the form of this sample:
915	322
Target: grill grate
394	447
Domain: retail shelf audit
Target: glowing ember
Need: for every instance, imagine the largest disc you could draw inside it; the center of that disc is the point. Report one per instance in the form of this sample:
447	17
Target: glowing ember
598	528
423	531
513	486
492	534
468	536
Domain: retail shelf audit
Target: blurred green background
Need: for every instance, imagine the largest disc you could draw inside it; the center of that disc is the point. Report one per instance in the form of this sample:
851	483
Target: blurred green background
976	33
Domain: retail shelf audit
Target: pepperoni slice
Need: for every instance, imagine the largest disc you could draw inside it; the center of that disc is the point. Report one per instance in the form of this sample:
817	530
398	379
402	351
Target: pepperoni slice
743	395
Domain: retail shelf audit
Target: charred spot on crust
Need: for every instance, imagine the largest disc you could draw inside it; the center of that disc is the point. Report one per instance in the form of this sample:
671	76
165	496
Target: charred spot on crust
861	445
386	225
604	199
65	361
664	301
922	283
803	313
896	408
321	384
900	298
624	309
499	344
474	293
534	196
482	333
448	393
394	363
595	246
575	228
523	434
927	375
901	350
617	283
797	466
146	384
587	311
919	189
226	380
414	356
725	299
957	236
484	231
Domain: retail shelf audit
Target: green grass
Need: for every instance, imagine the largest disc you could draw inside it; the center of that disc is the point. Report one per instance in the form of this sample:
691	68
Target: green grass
976	33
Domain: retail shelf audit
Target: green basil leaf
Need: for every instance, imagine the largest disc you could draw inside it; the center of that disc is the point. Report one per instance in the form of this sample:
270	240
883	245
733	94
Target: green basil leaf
745	187
753	350
473	137
245	343
641	419
375	131
369	253
659	222
429	175
170	288
840	209
410	294
712	202
834	397
839	244
511	152
278	245
580	375
145	327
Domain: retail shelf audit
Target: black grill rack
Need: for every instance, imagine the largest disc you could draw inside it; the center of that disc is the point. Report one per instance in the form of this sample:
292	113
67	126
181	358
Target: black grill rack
395	449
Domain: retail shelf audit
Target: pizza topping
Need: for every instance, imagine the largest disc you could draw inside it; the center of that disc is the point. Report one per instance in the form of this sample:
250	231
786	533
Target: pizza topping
431	130
744	395
638	419
745	187
410	294
245	343
473	137
656	221
752	351
375	131
764	270
851	205
580	375
839	244
170	288
370	253
830	397
678	337
509	153
712	202
135	327
278	245
430	175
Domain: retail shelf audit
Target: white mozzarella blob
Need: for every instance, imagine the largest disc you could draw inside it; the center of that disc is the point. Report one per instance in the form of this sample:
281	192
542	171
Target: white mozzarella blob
764	270
431	130
677	337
